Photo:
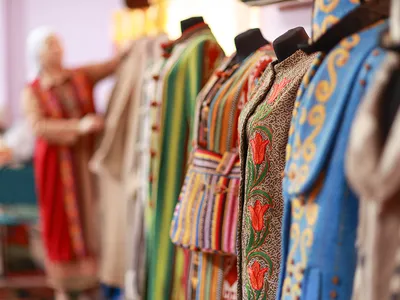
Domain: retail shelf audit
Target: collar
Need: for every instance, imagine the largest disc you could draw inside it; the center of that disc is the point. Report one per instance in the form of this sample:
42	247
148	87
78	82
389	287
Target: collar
328	13
48	82
188	33
289	62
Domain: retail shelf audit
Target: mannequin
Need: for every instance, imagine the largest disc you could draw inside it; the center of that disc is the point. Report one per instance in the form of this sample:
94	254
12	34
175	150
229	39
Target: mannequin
248	42
187	23
289	42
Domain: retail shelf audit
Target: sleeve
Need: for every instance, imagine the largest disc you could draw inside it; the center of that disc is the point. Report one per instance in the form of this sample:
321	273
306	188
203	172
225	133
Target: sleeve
56	131
19	138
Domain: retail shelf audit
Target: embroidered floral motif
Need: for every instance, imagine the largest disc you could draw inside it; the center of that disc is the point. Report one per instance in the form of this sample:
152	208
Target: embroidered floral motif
258	146
256	275
261	66
257	213
277	90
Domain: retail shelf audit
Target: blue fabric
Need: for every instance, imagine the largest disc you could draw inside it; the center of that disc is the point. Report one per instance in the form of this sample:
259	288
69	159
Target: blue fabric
111	293
321	212
328	12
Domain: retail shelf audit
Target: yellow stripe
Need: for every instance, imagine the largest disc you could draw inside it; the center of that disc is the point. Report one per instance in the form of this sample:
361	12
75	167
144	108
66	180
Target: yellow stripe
189	220
183	208
197	209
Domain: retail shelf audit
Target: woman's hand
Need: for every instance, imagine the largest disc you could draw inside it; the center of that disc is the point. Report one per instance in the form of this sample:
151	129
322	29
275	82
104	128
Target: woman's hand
91	123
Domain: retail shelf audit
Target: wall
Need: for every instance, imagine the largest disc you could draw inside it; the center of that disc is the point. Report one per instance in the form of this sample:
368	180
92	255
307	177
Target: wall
84	27
276	21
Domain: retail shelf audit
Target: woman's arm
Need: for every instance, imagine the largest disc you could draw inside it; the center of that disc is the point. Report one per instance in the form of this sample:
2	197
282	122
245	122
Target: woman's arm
99	71
19	139
57	131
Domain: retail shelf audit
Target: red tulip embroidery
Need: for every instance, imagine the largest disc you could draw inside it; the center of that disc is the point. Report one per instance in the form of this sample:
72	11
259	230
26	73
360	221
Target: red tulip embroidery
258	146
256	276
257	213
276	89
261	66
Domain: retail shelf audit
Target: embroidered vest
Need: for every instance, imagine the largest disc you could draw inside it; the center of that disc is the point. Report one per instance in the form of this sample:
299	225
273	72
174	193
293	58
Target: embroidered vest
263	129
320	211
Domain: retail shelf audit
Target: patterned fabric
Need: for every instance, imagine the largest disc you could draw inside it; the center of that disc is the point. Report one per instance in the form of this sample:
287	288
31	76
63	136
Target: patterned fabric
212	277
207	221
212	183
66	205
186	66
373	172
55	108
264	127
328	13
320	210
214	167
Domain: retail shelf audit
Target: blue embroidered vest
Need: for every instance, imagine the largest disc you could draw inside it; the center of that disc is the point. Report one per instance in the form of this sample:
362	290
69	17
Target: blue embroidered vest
321	212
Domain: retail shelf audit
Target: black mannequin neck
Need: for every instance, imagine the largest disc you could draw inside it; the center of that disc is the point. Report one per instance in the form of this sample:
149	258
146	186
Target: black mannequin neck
186	24
248	42
289	42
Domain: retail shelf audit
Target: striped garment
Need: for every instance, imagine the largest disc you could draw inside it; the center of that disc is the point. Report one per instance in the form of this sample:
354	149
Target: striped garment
188	63
212	277
206	216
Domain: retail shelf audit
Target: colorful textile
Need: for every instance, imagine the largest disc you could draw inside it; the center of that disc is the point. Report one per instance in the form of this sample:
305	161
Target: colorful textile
212	277
215	167
320	211
188	63
207	222
60	171
264	128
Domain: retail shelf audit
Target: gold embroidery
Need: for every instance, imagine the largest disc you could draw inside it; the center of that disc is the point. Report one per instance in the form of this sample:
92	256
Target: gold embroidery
325	24
302	240
327	8
317	114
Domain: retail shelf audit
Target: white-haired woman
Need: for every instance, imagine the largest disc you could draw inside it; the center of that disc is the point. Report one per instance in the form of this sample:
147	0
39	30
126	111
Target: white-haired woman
58	103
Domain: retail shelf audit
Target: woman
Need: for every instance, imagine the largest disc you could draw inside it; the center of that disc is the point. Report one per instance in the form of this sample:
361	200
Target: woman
59	105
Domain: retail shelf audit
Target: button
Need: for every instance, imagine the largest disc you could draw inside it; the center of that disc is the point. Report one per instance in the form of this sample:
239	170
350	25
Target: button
156	77
283	174
153	153
292	262
333	294
290	273
151	179
335	280
154	104
155	128
368	66
292	175
297	298
299	284
363	82
166	55
288	289
375	52
302	200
